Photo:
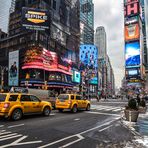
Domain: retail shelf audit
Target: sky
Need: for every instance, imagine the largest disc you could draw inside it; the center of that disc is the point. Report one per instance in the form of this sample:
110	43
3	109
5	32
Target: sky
110	14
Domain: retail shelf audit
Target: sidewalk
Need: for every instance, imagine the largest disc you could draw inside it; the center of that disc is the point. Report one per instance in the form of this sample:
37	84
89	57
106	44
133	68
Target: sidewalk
140	129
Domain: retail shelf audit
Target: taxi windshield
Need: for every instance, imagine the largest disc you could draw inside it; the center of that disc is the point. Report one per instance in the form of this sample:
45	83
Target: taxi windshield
63	97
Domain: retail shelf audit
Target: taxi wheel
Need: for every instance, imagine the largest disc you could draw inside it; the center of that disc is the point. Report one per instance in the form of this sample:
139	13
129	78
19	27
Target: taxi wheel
74	109
88	107
46	111
16	114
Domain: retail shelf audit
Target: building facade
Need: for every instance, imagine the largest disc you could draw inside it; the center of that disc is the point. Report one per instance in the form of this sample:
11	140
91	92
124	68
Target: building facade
101	43
86	21
55	50
89	68
4	14
135	53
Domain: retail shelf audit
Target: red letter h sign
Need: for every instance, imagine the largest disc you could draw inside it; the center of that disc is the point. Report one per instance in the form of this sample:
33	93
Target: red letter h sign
132	8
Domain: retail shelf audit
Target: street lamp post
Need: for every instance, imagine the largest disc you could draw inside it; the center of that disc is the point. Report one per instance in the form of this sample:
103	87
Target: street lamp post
3	69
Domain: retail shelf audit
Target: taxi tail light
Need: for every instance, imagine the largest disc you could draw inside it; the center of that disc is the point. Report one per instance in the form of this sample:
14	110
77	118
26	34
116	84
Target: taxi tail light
6	105
69	102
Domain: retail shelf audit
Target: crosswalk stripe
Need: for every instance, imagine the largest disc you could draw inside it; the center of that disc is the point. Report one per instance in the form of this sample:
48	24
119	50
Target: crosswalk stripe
106	108
8	135
5	133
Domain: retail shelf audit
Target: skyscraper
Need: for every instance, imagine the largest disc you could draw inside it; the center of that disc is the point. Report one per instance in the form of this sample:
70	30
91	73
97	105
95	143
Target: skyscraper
100	42
4	14
86	21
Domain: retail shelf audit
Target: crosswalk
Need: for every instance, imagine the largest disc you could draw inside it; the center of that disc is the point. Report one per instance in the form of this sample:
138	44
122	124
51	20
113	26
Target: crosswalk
17	139
106	108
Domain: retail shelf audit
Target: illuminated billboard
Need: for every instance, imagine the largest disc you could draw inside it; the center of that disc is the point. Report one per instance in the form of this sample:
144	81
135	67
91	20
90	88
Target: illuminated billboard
13	68
76	77
35	19
89	55
132	54
131	9
132	32
40	58
131	20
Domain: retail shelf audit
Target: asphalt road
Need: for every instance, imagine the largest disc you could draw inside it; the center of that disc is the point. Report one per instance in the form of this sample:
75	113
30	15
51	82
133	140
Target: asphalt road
100	127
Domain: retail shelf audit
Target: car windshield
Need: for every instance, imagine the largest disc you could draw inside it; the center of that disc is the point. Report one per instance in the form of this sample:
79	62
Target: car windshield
2	97
63	97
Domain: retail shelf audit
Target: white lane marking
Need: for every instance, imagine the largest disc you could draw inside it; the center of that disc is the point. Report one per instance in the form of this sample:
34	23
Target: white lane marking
76	135
115	110
10	137
106	108
15	125
107	114
52	114
105	128
1	125
16	143
71	143
3	133
77	119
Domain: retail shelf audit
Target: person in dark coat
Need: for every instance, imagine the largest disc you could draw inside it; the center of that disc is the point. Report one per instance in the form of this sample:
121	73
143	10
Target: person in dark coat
138	99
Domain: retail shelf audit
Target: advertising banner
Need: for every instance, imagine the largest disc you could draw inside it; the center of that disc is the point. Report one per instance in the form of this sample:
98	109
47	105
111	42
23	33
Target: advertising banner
131	20
35	19
132	54
132	32
89	56
76	76
13	68
40	58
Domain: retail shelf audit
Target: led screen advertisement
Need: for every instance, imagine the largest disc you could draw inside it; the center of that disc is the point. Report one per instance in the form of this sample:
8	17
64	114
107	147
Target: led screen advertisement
35	19
89	56
132	32
40	58
13	68
132	54
76	76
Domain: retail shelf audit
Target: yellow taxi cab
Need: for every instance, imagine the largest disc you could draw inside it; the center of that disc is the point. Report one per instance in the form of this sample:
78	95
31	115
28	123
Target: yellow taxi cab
72	102
15	105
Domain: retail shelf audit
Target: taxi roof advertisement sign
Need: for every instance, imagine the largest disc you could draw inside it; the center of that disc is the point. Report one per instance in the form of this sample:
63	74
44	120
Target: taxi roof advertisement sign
35	19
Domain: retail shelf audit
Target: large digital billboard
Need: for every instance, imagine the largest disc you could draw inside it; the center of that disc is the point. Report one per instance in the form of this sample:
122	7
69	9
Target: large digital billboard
13	68
132	54
132	32
40	58
89	55
35	19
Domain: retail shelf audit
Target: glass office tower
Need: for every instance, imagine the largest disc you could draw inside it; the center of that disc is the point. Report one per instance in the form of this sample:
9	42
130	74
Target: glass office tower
87	21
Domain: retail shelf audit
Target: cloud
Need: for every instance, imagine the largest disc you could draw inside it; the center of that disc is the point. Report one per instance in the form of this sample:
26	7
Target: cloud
109	13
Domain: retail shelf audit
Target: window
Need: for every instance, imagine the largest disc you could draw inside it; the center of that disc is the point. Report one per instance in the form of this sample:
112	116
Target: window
2	97
54	4
25	98
78	98
13	98
72	97
34	99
